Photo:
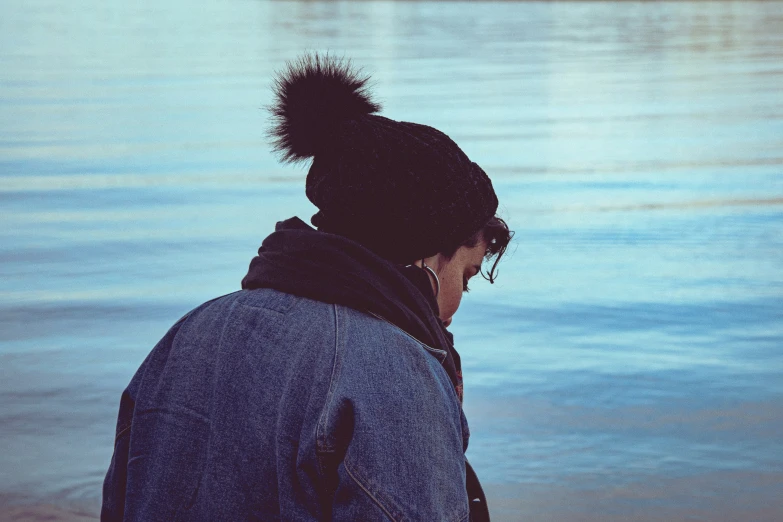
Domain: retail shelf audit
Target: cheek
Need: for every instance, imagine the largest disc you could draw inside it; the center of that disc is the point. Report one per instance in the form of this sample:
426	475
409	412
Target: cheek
450	296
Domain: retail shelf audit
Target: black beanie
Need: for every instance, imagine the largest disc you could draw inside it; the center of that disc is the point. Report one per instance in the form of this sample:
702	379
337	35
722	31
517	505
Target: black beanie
404	190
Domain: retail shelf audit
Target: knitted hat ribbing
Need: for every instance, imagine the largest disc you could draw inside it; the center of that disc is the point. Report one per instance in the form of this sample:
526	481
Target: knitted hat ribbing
404	190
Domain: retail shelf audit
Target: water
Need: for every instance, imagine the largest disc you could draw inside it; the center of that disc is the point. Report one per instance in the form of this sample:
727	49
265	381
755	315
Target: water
627	364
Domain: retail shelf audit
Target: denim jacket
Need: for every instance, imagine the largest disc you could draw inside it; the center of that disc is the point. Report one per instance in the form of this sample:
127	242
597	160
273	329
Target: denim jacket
267	406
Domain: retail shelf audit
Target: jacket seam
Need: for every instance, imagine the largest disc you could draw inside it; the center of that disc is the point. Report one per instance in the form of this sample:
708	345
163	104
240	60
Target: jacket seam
122	432
377	502
321	443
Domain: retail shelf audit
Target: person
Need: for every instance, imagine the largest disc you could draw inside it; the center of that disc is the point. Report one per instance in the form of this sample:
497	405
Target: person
329	386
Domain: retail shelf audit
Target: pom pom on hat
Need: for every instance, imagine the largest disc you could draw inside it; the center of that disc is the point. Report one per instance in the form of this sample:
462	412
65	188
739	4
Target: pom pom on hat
312	96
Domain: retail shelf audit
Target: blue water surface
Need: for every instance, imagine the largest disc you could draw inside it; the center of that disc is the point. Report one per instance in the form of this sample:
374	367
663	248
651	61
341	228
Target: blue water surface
628	363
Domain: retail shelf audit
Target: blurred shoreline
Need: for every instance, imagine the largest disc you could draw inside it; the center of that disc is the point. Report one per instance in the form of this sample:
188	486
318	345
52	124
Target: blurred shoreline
40	512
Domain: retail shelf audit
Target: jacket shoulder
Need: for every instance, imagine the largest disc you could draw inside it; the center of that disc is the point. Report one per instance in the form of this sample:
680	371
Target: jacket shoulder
366	327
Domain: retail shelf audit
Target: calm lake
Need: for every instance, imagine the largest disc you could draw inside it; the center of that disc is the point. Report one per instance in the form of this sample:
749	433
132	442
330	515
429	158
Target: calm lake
628	363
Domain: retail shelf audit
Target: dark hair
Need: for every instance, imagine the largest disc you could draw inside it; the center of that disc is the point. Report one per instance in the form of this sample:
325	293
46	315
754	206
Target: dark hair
497	236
